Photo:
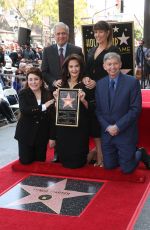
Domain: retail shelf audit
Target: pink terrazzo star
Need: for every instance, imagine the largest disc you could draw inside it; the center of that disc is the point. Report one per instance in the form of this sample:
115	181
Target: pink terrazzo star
68	101
52	196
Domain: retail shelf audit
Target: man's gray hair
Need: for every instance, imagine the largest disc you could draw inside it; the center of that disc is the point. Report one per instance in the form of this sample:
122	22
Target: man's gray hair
61	25
111	55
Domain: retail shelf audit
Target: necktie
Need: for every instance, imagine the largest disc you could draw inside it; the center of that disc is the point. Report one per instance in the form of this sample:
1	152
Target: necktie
61	56
111	92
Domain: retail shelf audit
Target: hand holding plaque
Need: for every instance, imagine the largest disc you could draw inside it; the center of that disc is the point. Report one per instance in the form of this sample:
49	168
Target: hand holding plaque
67	108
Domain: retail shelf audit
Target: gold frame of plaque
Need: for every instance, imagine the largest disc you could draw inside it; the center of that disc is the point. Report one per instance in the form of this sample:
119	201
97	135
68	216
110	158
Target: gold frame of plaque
67	107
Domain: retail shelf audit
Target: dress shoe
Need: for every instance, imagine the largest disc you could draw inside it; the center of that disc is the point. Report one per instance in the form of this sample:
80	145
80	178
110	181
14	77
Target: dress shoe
56	158
145	158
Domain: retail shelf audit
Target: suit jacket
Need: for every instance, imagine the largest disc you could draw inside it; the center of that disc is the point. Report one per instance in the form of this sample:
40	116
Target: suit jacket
125	109
35	125
51	68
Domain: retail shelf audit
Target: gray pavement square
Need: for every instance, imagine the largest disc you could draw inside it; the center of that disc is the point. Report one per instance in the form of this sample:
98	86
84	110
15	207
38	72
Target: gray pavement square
8	145
143	221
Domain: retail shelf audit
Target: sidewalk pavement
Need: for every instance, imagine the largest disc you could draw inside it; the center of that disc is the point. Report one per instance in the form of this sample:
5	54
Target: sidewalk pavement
8	145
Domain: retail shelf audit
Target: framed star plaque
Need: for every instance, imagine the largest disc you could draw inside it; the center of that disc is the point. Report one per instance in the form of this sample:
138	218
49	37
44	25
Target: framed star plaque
67	108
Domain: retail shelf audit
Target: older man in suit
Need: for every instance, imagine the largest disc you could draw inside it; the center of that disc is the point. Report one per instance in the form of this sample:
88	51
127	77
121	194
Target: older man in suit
53	55
118	105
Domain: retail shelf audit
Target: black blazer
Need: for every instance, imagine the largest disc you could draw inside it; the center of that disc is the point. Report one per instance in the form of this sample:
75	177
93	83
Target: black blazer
35	125
51	68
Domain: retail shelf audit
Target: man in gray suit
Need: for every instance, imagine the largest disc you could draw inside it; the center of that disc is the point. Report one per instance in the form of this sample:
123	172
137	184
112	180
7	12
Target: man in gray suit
53	55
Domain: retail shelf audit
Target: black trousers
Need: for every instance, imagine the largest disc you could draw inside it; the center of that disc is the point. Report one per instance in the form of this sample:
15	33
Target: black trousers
29	154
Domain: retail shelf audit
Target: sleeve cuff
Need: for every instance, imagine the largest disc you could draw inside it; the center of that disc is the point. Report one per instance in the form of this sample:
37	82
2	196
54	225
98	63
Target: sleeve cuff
54	83
43	107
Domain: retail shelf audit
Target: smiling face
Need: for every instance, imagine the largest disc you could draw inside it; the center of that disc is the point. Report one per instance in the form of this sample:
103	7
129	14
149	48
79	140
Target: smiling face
112	66
101	36
34	82
61	36
74	69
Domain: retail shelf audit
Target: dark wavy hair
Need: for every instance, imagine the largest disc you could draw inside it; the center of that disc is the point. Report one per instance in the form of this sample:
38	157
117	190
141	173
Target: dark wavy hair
36	71
105	26
65	72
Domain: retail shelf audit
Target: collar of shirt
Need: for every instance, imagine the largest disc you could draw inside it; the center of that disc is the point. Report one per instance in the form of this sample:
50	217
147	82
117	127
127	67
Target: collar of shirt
64	49
115	80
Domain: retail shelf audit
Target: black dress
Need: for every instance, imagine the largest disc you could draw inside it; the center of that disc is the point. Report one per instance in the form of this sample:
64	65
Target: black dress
95	70
73	142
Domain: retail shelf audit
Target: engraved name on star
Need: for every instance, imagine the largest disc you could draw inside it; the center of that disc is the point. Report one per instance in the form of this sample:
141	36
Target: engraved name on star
68	101
51	196
123	39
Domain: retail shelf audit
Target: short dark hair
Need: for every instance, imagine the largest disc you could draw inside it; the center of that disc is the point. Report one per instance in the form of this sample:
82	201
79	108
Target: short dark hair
37	72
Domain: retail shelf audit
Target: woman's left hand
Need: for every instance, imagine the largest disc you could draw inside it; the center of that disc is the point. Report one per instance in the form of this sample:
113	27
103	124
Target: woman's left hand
81	95
91	84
